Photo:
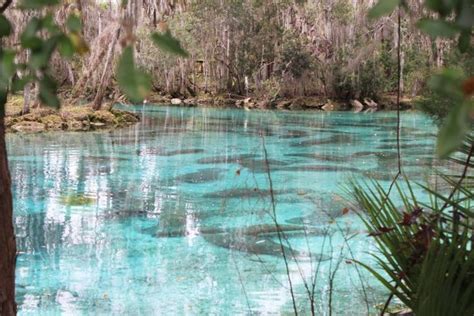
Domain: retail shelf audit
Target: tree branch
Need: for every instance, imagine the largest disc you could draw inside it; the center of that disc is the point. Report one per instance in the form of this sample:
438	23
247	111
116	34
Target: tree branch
5	5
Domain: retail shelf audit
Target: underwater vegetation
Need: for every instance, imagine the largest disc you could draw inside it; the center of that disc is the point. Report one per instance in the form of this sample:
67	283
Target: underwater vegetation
76	200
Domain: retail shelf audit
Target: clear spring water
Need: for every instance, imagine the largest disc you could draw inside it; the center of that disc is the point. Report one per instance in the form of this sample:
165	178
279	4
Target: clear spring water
173	216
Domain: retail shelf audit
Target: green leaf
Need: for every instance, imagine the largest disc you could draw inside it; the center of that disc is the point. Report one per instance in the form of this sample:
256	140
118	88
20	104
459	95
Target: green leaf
133	82
20	83
37	4
66	47
464	41
40	58
48	92
80	46
465	18
28	38
455	128
438	28
5	26
168	43
440	6
383	7
49	24
7	68
74	23
448	83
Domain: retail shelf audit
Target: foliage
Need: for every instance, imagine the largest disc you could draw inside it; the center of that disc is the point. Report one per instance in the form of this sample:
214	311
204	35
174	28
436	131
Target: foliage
342	12
384	7
168	43
133	82
41	37
425	253
426	250
350	85
371	81
438	104
294	57
269	89
450	84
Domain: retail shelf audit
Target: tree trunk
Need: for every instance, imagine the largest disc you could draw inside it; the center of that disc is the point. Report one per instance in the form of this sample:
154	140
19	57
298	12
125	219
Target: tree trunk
26	91
7	235
26	98
105	78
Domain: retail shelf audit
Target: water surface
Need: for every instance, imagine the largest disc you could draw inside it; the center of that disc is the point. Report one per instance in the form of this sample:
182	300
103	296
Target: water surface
174	216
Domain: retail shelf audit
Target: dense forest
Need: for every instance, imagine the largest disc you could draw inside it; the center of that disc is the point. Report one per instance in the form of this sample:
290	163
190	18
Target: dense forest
267	50
202	157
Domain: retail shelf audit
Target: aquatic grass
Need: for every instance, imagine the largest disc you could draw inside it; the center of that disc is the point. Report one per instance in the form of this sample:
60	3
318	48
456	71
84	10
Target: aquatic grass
76	200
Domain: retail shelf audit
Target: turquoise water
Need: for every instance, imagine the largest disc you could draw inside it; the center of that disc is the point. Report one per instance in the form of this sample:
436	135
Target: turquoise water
173	216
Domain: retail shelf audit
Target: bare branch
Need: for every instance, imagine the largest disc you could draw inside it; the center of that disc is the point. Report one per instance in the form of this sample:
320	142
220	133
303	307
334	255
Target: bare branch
5	5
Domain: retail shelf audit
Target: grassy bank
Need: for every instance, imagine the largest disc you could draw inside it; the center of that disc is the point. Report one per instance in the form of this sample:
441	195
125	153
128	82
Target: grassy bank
67	118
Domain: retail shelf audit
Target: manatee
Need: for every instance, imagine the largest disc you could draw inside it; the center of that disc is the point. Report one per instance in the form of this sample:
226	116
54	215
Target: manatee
307	220
102	159
265	229
317	168
294	134
225	159
331	158
271	230
125	214
362	154
335	139
258	246
219	118
386	155
413	162
408	147
238	193
182	152
379	176
394	140
149	151
377	154
356	124
260	165
262	230
252	193
334	132
410	130
201	176
423	135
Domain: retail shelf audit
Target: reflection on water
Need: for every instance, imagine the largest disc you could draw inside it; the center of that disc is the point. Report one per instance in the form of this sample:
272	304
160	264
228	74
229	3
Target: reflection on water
173	215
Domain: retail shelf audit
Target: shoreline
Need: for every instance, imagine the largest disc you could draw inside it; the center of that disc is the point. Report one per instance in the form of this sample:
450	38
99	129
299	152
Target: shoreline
302	103
82	118
72	118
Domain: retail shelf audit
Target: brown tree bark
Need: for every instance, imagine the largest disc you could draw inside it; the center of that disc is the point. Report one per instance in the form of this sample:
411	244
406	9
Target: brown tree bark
26	98
7	235
107	71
